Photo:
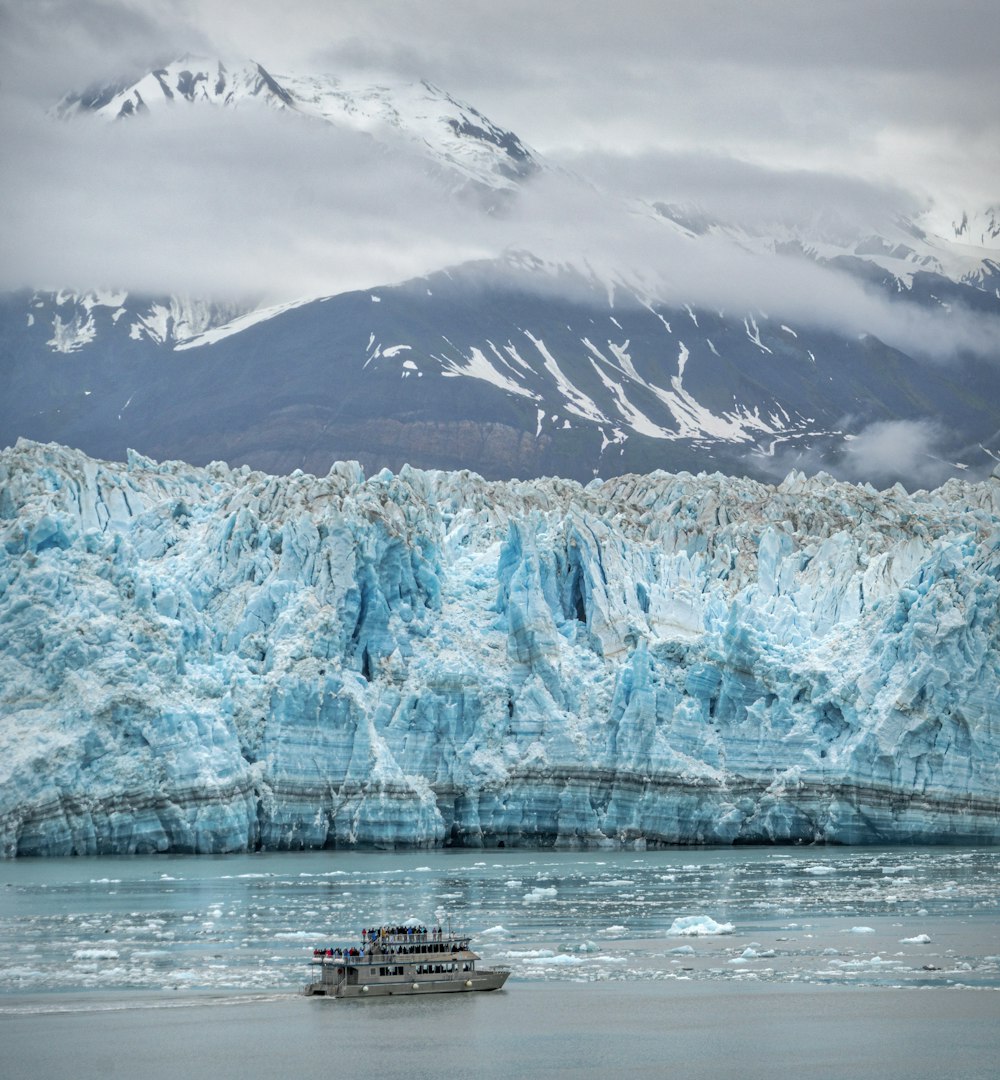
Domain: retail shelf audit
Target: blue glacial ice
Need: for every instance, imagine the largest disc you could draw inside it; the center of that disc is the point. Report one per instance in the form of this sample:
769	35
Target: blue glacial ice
209	660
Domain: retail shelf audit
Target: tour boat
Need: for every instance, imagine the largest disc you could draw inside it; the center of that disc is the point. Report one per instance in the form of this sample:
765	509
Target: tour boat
402	960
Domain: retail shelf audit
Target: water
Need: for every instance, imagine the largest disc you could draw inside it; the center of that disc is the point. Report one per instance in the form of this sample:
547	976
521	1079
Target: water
199	959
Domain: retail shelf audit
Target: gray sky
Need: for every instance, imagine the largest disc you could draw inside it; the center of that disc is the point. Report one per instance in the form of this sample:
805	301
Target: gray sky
750	106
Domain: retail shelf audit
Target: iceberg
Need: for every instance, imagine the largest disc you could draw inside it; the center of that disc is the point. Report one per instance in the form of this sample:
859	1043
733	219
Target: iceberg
206	659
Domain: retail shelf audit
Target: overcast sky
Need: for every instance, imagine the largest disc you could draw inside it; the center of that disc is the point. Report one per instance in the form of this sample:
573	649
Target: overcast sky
747	106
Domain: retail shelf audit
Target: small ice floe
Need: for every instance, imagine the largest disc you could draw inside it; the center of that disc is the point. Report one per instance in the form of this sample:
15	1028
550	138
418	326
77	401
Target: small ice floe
535	896
493	931
751	953
586	946
681	950
862	964
861	930
615	930
559	960
919	939
95	954
819	869
698	926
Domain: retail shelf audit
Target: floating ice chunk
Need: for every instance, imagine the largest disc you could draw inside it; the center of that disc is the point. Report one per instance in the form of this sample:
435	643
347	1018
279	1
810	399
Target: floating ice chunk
681	950
614	930
750	953
819	868
95	954
861	930
562	960
535	896
918	939
698	926
494	931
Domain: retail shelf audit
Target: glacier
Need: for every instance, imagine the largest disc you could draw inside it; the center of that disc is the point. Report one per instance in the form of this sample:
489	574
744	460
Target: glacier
207	659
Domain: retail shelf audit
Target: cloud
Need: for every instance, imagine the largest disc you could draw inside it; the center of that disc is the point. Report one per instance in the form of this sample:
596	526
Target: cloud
231	203
622	243
733	191
50	47
885	451
199	200
918	453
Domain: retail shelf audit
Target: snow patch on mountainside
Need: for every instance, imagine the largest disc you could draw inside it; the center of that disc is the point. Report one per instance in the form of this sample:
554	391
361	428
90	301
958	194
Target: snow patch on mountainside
238	325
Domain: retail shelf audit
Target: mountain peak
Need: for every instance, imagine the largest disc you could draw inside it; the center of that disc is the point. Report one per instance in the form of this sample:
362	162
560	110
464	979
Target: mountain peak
447	130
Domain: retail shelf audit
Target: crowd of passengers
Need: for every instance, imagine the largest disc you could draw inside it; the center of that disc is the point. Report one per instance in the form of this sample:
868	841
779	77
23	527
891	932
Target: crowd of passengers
373	933
395	941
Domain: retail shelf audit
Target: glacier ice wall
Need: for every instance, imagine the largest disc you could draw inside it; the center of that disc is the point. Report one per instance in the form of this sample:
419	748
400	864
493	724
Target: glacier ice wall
208	660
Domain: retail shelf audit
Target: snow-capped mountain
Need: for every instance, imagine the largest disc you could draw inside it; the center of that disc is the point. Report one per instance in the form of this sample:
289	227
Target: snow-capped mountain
901	247
981	230
453	135
527	366
472	371
207	660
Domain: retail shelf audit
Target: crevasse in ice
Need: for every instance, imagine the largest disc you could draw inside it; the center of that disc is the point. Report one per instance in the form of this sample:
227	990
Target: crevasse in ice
207	660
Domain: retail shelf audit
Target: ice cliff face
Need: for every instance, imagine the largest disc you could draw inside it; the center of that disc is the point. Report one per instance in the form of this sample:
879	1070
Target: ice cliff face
207	660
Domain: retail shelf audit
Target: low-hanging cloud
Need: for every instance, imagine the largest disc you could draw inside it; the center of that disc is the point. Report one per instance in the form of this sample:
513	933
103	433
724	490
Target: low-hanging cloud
222	202
229	203
919	453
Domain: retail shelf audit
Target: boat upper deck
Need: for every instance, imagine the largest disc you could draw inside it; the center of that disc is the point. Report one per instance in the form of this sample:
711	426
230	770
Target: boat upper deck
408	943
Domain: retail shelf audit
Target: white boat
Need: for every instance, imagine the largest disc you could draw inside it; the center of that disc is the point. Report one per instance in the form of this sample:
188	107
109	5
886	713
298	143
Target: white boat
402	960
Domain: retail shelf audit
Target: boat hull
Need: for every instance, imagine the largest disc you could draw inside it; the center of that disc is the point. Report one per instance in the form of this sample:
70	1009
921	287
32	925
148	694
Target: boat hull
477	981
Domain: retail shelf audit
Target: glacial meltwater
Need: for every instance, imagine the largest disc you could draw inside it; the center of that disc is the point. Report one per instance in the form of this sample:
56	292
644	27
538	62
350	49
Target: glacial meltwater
693	956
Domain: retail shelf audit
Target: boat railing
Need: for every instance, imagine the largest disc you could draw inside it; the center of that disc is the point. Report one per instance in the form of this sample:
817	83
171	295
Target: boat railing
416	937
382	943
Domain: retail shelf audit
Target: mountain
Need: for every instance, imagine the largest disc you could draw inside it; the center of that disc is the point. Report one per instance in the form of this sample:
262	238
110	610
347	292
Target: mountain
455	137
525	366
482	371
208	659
